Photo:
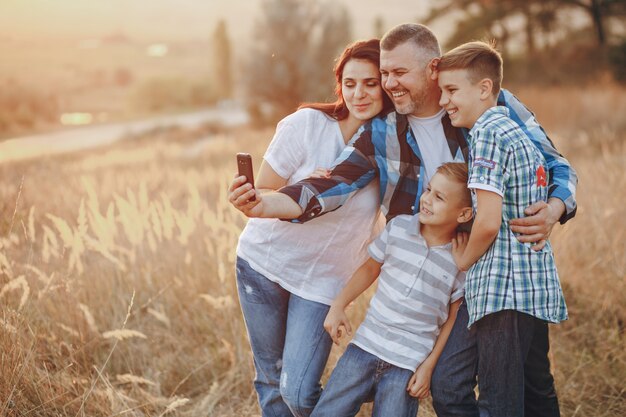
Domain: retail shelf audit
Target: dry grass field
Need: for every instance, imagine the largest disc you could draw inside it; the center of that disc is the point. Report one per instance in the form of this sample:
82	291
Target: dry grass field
117	289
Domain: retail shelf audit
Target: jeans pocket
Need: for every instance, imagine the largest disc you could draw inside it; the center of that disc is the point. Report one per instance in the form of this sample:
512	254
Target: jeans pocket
250	283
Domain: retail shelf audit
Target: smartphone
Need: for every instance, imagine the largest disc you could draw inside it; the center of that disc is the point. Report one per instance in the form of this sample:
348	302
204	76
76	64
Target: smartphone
244	163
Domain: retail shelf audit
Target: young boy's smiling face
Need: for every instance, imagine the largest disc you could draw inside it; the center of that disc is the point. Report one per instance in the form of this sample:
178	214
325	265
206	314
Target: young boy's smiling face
445	202
463	100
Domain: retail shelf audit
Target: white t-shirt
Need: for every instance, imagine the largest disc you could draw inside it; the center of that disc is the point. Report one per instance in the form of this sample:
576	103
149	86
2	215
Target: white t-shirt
432	142
315	259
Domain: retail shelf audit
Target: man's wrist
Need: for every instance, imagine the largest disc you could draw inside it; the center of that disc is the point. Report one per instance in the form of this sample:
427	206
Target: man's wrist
557	209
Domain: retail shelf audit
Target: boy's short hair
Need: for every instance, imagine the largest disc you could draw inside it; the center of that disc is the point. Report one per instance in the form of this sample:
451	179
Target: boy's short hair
480	59
458	172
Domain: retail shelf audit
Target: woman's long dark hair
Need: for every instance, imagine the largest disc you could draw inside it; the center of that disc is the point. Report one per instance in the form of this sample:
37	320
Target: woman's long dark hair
366	50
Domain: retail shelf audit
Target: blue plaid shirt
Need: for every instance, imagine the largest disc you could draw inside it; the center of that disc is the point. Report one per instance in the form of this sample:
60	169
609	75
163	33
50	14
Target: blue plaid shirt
386	149
510	275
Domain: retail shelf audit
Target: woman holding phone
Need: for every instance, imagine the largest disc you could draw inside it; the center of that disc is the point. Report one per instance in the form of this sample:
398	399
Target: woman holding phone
288	274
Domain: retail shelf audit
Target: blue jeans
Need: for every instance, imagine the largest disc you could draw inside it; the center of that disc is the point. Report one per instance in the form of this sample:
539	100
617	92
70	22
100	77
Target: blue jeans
509	350
288	341
361	377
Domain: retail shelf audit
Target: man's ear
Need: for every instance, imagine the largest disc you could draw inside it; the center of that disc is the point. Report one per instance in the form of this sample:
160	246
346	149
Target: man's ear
465	215
432	66
486	87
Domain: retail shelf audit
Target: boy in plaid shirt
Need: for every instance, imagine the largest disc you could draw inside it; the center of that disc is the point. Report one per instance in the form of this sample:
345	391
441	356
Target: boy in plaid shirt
512	291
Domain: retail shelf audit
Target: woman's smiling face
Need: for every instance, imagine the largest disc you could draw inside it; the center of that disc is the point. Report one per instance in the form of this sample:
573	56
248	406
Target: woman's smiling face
361	90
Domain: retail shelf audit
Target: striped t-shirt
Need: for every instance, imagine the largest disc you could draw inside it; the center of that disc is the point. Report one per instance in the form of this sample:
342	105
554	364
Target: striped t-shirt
415	287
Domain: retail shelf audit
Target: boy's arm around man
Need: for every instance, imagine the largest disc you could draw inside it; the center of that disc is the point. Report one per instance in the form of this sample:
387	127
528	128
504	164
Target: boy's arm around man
487	222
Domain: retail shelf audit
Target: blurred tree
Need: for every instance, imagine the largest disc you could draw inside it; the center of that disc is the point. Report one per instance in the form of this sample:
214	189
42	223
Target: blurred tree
555	50
599	11
294	47
494	19
222	68
617	58
379	27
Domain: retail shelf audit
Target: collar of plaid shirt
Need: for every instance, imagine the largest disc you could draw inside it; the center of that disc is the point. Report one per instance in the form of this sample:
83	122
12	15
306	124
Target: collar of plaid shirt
405	199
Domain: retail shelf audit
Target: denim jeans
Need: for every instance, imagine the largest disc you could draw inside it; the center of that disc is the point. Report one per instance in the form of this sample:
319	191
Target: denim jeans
361	377
289	345
509	350
454	378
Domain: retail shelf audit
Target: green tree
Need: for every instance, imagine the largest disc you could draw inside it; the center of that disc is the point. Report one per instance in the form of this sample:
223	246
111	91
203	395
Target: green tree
294	47
222	61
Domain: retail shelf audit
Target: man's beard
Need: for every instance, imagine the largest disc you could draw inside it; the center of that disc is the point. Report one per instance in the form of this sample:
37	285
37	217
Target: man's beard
407	108
413	105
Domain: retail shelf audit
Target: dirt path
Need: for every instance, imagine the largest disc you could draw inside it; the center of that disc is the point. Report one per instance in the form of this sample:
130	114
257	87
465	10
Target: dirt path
71	140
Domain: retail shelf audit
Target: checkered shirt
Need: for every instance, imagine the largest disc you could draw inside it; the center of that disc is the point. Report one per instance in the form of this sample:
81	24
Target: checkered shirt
510	275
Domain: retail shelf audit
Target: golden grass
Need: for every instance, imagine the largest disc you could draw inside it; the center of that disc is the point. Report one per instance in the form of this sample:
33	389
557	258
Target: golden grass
81	234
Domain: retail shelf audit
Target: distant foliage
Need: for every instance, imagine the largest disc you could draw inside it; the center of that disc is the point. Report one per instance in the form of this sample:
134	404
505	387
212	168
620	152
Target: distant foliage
222	61
552	46
294	47
23	108
540	18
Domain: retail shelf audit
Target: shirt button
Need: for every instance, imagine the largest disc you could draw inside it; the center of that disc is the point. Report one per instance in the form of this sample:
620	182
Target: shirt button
482	178
311	214
408	290
412	207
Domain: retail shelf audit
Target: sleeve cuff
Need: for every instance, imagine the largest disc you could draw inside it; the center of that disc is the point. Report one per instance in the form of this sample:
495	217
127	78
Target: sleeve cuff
273	163
311	210
486	187
375	253
457	295
566	197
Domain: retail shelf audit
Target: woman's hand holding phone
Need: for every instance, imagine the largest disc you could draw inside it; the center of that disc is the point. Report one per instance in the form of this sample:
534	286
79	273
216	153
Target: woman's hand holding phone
243	196
241	193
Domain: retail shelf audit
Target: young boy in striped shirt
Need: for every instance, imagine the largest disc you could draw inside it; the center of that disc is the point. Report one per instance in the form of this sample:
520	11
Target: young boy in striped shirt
511	290
391	358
